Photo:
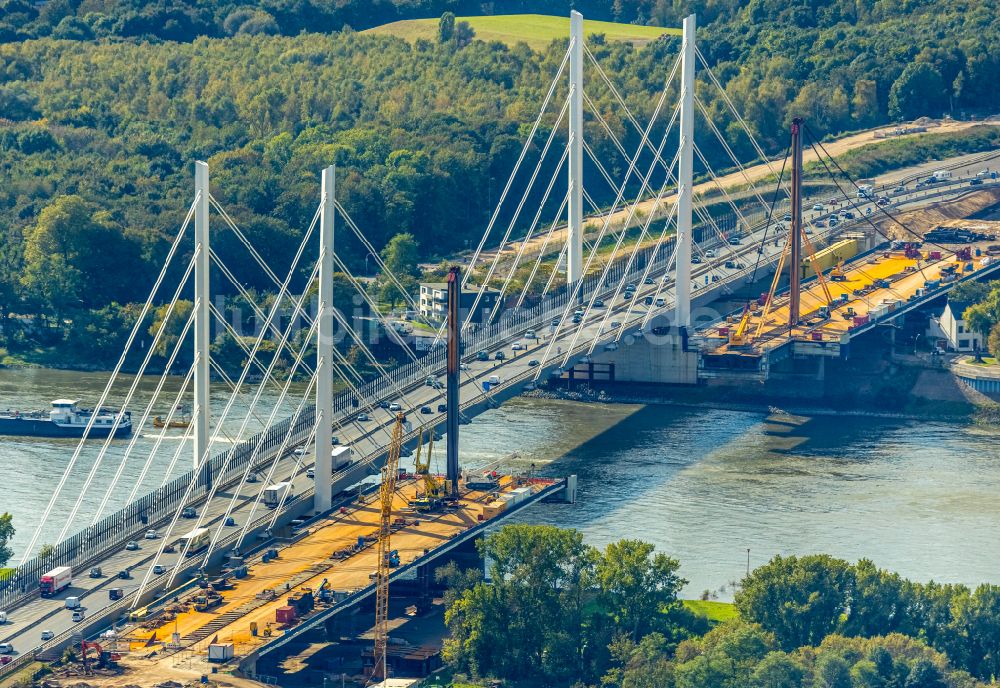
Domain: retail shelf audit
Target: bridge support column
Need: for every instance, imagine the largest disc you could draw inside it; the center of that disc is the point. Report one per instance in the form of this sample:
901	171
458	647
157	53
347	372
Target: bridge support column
202	413
574	233
324	347
682	307
453	383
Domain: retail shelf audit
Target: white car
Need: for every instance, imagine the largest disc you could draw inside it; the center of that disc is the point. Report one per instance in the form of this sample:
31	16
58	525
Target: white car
710	253
362	417
158	569
819	207
48	635
518	346
151	534
311	473
132	545
300	451
395	407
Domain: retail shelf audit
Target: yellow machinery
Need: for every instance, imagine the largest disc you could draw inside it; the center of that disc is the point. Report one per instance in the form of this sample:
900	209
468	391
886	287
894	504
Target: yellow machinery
837	273
434	490
387	491
738	337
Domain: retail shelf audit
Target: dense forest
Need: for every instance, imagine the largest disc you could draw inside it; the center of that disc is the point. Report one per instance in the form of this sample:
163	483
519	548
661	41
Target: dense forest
558	612
105	104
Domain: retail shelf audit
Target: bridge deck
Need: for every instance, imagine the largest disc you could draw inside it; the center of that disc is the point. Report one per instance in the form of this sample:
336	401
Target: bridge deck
907	276
306	563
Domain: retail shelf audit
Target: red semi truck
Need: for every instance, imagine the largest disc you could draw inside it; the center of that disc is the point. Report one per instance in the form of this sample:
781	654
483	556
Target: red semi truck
55	581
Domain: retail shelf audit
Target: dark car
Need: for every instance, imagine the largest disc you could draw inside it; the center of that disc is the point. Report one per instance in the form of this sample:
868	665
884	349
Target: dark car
189	512
124	574
426	410
482	356
598	303
533	363
499	356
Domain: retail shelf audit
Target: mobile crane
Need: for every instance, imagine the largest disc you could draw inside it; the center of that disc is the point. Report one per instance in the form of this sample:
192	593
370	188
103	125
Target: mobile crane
387	491
434	490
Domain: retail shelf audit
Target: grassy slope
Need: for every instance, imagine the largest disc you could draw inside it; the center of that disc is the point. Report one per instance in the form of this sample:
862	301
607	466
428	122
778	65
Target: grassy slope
716	612
537	30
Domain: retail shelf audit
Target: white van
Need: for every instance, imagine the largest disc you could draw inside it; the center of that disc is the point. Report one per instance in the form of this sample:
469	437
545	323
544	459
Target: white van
72	603
494	379
3	617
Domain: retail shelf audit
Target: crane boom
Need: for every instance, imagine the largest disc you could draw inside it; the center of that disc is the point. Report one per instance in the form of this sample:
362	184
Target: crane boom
387	491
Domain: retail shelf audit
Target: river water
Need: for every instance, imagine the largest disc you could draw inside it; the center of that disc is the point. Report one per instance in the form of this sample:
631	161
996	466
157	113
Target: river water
702	485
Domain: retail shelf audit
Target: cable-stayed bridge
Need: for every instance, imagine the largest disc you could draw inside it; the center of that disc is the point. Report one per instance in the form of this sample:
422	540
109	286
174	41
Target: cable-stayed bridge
577	286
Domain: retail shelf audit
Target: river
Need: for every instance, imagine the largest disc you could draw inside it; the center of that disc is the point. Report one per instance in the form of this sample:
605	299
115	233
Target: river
702	485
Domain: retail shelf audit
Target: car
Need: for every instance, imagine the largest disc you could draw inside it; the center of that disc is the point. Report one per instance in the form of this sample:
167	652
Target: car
311	473
96	572
518	346
820	223
169	549
819	207
482	356
630	287
730	264
900	189
598	303
334	440
124	574
577	319
394	406
300	451
430	381
833	222
426	410
6	649
530	334
616	323
533	363
362	417
787	217
463	366
847	214
555	322
661	302
151	534
695	259
975	182
735	241
649	280
131	545
710	253
499	356
442	408
579	311
384	405
189	512
715	278
78	615
626	296
648	300
883	201
48	635
159	569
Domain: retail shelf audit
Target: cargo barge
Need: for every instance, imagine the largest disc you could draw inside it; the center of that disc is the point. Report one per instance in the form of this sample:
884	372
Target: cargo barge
66	419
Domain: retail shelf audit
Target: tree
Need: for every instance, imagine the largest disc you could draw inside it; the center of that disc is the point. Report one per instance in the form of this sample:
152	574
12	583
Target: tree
446	27
401	255
799	599
993	343
923	674
464	33
638	586
918	91
6	535
832	672
777	670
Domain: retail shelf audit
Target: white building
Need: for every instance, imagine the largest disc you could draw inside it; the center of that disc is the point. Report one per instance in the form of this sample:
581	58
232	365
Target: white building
953	332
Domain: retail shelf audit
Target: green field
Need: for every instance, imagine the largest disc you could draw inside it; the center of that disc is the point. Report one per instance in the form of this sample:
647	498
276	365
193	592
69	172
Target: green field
716	612
537	30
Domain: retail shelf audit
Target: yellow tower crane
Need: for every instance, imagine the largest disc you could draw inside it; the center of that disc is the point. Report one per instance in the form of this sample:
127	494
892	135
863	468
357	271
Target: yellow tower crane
387	491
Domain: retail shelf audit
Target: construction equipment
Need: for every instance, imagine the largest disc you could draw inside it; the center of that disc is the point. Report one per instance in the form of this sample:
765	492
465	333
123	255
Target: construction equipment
837	273
738	337
434	491
105	659
387	491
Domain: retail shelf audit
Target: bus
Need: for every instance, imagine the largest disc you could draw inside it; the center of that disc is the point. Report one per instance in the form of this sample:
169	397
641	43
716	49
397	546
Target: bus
195	541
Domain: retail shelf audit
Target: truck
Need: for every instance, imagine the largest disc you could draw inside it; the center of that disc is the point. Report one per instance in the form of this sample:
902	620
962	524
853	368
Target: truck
55	581
866	191
340	458
274	494
941	175
195	541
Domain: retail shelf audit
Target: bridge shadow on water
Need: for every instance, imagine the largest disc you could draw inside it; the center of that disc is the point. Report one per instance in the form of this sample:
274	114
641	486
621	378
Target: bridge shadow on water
636	461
